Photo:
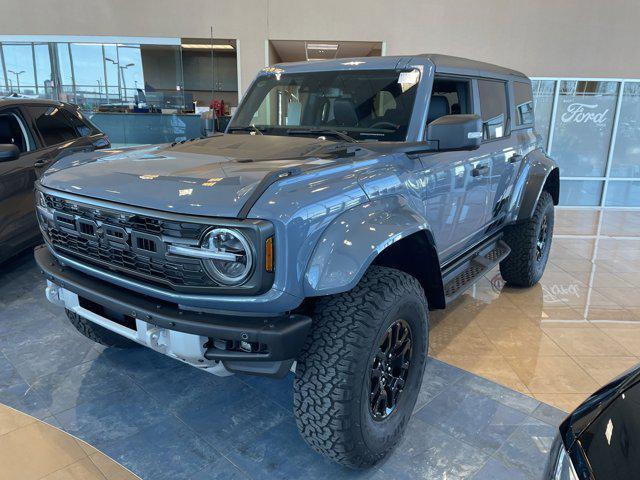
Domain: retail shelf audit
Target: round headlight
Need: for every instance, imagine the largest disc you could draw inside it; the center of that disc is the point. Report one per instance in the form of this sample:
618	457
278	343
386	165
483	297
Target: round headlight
233	260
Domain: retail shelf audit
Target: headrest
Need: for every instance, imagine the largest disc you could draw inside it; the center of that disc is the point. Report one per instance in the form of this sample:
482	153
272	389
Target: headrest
345	113
438	107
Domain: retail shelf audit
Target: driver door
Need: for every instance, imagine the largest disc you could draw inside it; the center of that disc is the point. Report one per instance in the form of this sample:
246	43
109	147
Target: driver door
18	225
457	184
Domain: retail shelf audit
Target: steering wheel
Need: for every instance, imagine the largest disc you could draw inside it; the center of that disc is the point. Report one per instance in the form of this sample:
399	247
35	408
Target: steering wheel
384	124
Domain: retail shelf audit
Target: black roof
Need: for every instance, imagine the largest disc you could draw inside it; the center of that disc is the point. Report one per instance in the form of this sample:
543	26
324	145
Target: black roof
448	62
443	64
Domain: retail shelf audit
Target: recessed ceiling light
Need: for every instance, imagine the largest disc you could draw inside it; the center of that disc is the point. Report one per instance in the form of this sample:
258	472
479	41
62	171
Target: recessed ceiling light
207	46
322	46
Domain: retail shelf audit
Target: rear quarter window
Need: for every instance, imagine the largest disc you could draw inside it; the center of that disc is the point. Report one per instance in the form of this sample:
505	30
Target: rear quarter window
523	99
54	124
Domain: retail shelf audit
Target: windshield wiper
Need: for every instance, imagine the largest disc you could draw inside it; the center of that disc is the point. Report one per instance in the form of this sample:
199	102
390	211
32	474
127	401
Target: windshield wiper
248	128
320	131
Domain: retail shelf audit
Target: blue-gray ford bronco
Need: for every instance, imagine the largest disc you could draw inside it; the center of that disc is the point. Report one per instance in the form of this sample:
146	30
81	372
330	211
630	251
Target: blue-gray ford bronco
345	200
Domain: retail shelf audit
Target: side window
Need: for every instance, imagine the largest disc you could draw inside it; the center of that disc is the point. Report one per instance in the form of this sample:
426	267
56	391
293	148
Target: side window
449	97
13	130
523	100
493	104
53	124
81	125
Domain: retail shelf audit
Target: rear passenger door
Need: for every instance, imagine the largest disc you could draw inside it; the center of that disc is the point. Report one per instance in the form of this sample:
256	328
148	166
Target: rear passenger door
499	146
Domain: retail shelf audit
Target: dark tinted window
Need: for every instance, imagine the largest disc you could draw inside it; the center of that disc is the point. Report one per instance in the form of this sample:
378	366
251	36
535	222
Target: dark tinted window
493	103
12	130
524	103
82	126
54	125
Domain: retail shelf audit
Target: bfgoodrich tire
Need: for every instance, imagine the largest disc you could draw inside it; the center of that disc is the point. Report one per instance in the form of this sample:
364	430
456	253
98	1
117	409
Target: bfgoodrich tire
359	374
530	244
99	334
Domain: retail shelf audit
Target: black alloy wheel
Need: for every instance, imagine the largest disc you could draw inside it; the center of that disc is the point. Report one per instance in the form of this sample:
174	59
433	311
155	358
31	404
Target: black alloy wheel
543	235
390	370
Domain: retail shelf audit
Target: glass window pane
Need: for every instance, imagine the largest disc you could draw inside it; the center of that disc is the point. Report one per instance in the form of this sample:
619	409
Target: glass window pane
543	104
626	153
4	89
88	72
623	194
131	76
18	59
64	73
493	104
524	103
113	77
53	125
582	129
43	70
580	192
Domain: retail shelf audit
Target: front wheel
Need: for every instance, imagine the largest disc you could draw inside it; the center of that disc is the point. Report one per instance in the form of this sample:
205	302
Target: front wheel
530	243
359	374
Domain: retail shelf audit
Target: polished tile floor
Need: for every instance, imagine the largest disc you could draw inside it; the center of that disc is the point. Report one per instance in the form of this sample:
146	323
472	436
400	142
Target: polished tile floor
517	351
32	449
564	338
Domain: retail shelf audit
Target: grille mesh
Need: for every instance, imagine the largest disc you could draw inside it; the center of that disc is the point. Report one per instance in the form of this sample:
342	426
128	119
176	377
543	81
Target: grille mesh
144	261
140	223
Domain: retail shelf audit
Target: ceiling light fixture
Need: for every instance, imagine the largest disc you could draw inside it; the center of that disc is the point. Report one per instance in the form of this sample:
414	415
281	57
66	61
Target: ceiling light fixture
322	46
207	46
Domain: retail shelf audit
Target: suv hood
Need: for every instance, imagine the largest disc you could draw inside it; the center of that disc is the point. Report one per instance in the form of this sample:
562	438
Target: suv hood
212	177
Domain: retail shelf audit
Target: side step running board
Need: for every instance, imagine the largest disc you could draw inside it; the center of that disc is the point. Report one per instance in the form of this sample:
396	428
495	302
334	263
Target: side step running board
467	271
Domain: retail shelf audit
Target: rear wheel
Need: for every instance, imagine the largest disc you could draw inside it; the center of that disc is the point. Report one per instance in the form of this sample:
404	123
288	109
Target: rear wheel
358	377
99	334
530	244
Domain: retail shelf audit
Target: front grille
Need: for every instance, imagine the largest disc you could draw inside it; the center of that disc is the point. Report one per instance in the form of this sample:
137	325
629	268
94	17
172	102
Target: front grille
184	273
140	223
127	243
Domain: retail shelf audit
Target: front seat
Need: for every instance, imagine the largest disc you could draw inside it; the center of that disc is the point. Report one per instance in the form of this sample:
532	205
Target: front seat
345	113
438	107
6	130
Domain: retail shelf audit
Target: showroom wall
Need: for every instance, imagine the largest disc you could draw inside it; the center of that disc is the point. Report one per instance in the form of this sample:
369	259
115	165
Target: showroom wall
572	38
582	55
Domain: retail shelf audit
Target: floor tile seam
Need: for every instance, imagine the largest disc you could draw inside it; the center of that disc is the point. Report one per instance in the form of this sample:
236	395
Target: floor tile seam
87	456
455	439
172	413
275	402
534	393
628	353
451	385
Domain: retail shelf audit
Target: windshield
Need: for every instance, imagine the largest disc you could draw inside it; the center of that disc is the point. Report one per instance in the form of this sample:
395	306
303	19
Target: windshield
365	105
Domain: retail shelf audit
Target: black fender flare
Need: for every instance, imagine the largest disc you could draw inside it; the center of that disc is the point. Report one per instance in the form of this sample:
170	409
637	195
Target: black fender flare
538	172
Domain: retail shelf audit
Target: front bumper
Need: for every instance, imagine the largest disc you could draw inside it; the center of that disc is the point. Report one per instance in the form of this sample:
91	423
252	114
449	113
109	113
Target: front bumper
202	339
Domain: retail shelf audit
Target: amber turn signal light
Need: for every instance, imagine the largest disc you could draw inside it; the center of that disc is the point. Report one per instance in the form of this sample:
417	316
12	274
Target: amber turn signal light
268	255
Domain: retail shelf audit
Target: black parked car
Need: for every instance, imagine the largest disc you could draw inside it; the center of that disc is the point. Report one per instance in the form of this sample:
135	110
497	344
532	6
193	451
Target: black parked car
600	440
34	134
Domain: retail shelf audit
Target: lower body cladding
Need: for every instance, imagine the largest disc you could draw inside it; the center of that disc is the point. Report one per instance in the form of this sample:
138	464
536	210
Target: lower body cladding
219	343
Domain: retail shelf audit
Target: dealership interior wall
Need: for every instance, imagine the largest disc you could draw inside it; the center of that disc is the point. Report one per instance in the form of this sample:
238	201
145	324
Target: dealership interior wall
583	58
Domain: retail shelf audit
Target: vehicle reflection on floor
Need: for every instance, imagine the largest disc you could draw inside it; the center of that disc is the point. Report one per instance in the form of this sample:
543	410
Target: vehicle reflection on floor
564	338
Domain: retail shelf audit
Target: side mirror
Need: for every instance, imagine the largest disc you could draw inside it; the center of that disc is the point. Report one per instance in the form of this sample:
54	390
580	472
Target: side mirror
456	132
8	151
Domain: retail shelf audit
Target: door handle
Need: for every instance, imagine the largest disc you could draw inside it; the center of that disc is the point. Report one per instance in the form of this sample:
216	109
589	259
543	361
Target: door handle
480	170
515	158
